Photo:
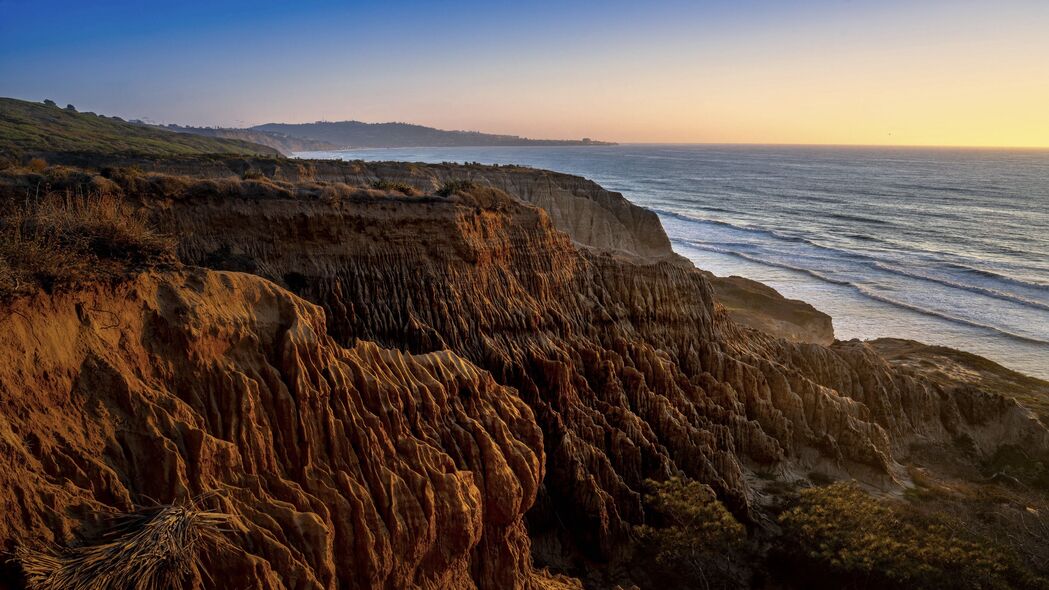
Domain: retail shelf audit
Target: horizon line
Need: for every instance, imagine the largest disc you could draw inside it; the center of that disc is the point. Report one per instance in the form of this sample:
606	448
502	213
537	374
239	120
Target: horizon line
858	145
614	143
249	127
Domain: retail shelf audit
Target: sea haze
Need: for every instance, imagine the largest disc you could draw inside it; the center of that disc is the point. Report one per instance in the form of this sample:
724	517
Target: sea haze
944	246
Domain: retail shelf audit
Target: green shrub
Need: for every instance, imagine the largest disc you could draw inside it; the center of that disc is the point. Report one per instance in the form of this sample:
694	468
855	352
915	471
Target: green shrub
454	186
840	537
692	535
389	185
1014	462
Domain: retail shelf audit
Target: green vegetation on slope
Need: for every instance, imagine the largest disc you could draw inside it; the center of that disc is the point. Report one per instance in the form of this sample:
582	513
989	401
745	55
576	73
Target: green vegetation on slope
840	537
694	538
29	128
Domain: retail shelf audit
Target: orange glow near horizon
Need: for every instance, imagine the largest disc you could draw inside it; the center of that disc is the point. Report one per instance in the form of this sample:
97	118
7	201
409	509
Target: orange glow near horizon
863	72
943	91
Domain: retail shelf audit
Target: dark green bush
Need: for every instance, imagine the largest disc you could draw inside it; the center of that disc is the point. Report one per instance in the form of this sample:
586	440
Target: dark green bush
1014	462
692	536
454	186
389	185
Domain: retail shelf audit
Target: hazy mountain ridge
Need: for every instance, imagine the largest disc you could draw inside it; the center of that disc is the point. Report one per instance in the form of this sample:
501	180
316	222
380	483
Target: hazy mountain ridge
357	134
283	143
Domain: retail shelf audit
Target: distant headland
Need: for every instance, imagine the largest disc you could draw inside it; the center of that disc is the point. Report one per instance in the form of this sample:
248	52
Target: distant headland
333	135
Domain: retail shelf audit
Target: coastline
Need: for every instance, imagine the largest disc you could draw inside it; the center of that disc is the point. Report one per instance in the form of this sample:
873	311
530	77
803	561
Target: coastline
519	348
893	309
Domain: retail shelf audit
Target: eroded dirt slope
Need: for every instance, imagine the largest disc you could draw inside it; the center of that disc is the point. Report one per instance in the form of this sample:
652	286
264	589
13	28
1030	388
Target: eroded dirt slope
358	467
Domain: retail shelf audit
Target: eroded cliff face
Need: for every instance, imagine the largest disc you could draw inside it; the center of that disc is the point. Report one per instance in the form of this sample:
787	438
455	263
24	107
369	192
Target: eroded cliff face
345	467
593	217
627	365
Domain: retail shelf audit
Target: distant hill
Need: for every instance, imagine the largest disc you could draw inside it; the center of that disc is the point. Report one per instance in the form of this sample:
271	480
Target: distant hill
285	144
355	134
39	128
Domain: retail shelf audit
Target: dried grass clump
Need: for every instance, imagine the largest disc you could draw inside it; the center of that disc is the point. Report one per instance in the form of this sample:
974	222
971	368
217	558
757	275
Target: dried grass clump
151	549
67	238
37	164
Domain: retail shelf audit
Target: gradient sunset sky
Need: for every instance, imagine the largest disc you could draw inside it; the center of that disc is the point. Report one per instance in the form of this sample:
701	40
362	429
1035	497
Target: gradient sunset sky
917	72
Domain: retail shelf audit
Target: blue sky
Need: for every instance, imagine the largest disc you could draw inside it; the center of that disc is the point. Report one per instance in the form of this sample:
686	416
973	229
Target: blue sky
747	70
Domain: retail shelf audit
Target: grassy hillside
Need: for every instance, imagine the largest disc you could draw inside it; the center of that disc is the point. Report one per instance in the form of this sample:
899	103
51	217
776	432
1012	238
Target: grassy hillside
35	128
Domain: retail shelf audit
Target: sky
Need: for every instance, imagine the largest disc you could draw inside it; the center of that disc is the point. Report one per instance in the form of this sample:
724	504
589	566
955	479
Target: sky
886	72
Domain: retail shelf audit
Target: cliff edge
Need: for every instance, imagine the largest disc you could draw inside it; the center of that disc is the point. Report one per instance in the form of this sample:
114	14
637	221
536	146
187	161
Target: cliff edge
388	385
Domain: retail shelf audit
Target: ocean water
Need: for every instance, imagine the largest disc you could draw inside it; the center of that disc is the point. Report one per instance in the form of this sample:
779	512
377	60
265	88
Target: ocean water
944	246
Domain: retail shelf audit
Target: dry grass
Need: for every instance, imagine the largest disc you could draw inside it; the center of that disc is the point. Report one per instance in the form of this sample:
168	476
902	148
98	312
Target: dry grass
68	238
19	184
152	549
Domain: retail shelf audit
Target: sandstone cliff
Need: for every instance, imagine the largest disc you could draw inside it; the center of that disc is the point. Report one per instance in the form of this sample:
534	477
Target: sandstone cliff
954	369
359	467
469	394
761	307
591	215
629	368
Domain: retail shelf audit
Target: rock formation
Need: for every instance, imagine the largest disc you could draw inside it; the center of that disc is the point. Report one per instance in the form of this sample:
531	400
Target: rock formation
358	467
469	388
631	371
591	215
761	307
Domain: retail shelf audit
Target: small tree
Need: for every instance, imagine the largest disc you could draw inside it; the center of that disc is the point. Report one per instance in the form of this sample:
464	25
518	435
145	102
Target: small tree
693	533
49	102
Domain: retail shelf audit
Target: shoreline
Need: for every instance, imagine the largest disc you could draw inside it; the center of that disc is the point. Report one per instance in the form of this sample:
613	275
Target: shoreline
855	315
854	324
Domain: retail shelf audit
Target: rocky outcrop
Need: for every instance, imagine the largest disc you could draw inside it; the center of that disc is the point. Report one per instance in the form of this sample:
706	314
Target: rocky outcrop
761	307
359	467
592	216
956	369
629	368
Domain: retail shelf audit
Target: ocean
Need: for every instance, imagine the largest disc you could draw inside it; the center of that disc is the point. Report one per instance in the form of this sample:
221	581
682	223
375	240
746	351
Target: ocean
944	246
